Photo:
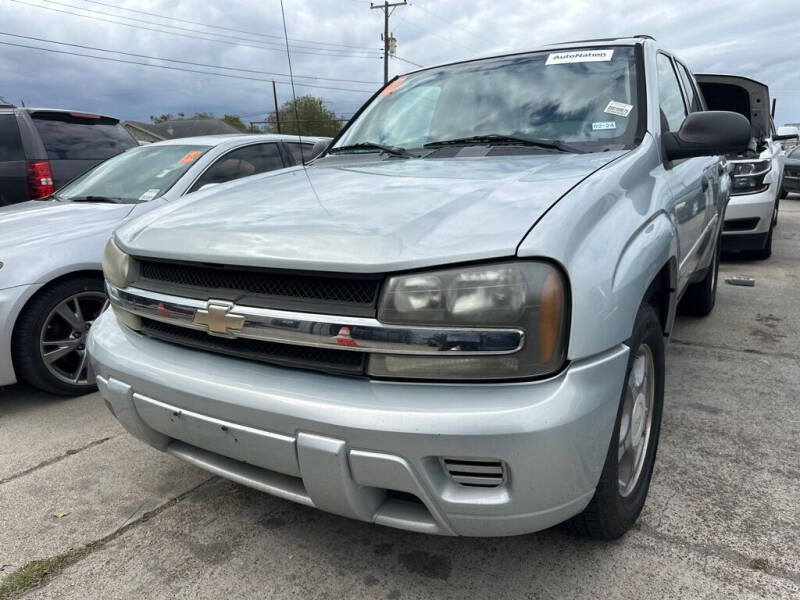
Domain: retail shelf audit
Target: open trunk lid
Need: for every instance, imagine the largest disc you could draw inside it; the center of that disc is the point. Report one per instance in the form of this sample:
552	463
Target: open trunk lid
739	94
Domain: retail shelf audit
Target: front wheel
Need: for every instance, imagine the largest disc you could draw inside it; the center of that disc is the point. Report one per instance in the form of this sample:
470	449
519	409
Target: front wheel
625	480
49	345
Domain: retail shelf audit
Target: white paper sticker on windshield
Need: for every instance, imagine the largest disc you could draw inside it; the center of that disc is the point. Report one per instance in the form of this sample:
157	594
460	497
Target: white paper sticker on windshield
618	108
603	125
149	194
579	56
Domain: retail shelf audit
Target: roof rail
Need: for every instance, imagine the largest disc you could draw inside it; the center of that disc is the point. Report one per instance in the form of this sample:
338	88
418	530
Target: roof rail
609	39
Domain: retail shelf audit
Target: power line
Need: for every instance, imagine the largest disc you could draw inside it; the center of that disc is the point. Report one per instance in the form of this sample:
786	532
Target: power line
185	35
405	60
443	20
131	62
220	35
183	62
256	33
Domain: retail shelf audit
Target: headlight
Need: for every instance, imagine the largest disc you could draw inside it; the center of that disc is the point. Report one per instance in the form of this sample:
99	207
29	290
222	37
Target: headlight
520	295
748	176
116	265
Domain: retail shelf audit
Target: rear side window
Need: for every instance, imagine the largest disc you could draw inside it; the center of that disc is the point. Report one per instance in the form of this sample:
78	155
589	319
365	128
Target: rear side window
69	137
300	152
249	160
10	142
691	92
670	98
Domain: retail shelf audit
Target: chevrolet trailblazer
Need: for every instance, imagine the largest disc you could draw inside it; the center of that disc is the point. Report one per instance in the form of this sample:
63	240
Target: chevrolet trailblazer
453	320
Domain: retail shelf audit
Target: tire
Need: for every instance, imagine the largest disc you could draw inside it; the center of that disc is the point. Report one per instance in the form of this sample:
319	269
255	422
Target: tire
613	510
47	347
701	296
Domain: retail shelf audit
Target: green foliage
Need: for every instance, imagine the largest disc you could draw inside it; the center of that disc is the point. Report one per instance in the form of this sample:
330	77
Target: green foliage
310	118
235	121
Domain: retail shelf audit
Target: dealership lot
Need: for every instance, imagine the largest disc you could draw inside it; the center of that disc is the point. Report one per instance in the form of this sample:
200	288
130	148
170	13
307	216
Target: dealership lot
116	519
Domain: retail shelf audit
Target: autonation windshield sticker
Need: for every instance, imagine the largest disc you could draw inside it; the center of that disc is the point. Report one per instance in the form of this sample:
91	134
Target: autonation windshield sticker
603	125
618	108
579	56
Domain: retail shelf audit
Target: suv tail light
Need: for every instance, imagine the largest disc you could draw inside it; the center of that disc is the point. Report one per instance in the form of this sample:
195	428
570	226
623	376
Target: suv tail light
40	179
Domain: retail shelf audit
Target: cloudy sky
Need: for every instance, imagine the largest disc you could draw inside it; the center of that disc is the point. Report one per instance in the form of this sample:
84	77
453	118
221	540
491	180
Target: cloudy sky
335	46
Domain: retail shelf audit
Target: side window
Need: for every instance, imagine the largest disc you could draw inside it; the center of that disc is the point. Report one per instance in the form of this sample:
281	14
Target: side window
10	142
691	92
249	160
670	99
300	152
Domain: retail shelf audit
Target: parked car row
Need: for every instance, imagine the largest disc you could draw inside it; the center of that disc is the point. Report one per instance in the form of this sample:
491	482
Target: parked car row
41	149
51	285
452	320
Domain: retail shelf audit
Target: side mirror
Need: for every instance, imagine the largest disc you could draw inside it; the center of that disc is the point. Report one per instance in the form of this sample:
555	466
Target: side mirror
709	133
318	148
207	186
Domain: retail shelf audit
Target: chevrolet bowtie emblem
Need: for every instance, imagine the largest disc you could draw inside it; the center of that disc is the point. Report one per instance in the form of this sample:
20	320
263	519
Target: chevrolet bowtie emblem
217	317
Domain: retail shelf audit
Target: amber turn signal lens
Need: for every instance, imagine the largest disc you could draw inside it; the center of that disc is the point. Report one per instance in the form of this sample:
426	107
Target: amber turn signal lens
550	316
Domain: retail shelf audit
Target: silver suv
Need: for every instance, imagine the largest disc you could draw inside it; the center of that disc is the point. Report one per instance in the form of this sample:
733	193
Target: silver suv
453	320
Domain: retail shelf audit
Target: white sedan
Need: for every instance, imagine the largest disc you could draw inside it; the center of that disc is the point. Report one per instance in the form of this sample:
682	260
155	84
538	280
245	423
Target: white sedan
51	282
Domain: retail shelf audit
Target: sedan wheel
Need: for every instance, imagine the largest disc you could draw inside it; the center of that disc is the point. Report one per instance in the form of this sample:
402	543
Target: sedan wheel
62	343
49	342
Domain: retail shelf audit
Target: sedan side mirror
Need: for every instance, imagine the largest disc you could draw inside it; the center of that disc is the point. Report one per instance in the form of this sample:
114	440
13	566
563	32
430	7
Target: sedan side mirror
318	148
708	133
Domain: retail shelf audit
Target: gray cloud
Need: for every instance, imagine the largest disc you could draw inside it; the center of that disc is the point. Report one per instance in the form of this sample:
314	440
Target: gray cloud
753	39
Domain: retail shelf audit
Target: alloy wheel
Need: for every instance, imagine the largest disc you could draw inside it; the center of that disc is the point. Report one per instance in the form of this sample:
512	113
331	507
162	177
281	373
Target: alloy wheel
636	421
62	341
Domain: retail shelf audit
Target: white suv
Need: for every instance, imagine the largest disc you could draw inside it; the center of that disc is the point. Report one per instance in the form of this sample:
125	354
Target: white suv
757	183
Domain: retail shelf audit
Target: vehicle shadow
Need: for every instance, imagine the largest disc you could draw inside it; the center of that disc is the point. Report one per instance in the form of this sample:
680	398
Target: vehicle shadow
21	397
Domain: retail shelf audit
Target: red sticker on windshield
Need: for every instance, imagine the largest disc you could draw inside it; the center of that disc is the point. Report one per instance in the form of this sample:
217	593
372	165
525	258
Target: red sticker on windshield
392	86
189	157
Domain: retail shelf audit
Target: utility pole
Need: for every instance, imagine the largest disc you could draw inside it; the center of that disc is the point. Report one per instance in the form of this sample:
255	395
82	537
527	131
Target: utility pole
277	113
389	42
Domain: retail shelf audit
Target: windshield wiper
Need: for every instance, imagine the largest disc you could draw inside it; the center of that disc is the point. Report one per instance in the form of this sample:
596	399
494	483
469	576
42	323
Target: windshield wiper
394	150
495	140
107	199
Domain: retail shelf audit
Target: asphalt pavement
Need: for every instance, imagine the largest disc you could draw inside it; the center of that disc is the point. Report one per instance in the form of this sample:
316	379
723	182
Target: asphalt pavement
86	511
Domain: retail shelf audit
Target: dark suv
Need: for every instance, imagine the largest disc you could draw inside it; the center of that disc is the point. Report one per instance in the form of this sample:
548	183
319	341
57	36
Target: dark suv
42	149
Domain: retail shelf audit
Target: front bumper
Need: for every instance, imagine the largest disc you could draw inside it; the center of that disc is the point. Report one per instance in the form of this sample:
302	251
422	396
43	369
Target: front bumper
748	218
348	445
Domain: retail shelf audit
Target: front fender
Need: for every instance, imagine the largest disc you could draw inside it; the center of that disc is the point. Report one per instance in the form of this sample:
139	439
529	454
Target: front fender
612	235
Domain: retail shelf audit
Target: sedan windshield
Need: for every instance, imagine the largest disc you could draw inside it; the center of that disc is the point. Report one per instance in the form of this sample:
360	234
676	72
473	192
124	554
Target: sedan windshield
583	98
138	175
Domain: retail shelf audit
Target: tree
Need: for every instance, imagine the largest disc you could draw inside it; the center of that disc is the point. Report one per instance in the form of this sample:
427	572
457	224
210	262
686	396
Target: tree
235	121
310	118
165	117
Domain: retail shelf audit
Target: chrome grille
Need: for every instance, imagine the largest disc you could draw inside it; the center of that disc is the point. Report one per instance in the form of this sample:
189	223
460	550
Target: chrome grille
475	473
320	359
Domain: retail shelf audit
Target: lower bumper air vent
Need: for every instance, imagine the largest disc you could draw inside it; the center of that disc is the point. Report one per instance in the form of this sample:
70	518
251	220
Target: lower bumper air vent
475	473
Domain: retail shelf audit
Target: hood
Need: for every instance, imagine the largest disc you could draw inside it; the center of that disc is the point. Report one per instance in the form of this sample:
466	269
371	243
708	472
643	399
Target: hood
363	215
739	94
28	224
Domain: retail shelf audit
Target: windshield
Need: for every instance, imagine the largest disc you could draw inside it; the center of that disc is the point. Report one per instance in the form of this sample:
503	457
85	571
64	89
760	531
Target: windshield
585	97
138	175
